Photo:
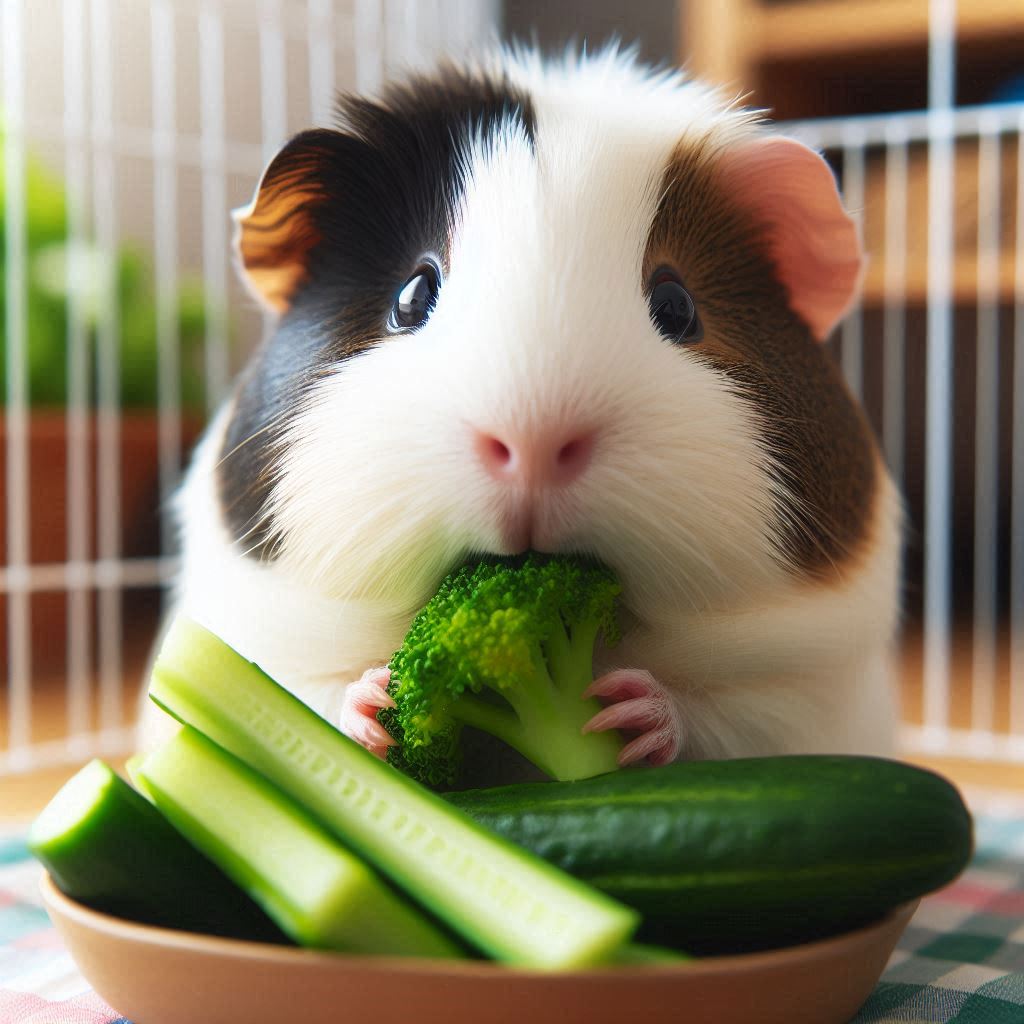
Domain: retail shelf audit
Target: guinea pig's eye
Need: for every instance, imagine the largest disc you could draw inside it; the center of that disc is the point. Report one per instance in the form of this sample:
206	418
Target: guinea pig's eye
417	298
672	308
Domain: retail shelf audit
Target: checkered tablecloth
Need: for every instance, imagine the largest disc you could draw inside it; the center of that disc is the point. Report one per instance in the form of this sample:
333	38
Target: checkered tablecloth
961	959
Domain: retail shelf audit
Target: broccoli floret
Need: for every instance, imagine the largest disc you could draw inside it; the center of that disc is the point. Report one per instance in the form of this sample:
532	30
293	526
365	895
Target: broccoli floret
506	647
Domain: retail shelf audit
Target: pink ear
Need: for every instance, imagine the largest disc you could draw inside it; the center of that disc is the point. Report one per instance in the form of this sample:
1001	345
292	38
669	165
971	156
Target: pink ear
813	242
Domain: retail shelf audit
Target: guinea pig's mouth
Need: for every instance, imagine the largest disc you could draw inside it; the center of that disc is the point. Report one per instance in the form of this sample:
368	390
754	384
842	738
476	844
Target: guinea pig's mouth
517	526
520	557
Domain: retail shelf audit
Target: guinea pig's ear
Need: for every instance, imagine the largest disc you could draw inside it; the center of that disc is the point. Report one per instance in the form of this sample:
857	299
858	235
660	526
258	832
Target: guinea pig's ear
276	232
813	242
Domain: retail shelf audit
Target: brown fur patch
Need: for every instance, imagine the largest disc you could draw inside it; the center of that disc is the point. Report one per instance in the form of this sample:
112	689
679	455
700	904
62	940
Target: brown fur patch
821	443
275	237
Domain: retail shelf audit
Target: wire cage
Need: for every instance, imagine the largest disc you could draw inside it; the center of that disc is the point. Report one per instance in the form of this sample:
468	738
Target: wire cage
935	350
945	296
129	131
166	112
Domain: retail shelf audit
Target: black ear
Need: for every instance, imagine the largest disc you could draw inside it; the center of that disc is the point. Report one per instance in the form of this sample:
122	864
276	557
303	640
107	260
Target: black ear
276	233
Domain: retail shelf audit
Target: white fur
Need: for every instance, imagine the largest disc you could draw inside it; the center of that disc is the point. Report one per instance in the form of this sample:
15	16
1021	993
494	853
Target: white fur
542	321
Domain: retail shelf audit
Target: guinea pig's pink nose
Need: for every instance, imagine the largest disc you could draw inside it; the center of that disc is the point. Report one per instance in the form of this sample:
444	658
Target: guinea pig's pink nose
546	458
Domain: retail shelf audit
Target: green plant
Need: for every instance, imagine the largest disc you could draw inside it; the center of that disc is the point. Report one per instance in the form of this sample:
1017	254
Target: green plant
124	276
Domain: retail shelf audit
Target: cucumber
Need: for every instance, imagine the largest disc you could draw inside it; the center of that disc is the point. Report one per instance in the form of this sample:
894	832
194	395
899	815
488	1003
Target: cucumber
105	846
726	856
503	900
317	892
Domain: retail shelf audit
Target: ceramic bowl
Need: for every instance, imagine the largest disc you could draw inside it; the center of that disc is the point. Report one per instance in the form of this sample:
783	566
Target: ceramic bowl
159	976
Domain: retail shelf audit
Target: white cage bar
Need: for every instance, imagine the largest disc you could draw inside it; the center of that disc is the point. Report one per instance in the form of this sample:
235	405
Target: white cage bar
894	328
939	370
78	519
853	325
986	437
17	477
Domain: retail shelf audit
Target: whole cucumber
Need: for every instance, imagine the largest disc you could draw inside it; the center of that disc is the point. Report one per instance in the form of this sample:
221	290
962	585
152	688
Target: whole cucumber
730	856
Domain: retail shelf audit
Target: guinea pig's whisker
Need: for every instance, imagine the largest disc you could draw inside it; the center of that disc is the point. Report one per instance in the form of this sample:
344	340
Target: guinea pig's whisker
275	422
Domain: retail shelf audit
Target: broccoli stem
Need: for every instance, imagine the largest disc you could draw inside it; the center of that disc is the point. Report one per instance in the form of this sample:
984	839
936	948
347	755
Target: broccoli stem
556	743
549	712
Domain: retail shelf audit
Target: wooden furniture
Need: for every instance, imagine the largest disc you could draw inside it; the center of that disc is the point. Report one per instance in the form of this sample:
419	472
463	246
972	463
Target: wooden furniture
817	58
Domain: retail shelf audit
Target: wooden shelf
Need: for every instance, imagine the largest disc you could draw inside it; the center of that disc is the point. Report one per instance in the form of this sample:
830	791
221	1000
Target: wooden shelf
826	58
824	28
835	57
965	282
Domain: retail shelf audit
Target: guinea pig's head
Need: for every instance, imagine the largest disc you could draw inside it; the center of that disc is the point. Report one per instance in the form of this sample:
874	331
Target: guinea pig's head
573	307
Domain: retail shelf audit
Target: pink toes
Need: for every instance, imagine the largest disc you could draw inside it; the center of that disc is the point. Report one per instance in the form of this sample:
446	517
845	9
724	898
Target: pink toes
370	692
371	734
635	702
623	683
660	747
638	703
362	701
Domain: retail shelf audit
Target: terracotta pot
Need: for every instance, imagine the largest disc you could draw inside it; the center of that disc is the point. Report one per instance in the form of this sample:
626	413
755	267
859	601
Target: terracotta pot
49	513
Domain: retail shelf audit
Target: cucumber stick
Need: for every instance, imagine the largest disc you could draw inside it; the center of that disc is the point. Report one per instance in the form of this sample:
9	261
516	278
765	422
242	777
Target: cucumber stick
107	847
721	856
319	893
504	900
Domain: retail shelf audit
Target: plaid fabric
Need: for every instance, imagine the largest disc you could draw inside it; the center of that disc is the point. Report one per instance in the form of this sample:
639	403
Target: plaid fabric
39	983
961	959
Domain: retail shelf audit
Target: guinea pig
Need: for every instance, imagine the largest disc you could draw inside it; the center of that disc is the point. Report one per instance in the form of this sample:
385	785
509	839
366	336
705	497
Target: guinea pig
571	306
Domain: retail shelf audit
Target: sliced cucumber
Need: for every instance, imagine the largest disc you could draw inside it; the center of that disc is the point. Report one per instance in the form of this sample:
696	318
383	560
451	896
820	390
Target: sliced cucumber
319	893
107	847
509	903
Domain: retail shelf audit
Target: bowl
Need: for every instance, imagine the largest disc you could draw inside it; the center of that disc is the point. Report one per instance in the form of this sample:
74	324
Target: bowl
159	976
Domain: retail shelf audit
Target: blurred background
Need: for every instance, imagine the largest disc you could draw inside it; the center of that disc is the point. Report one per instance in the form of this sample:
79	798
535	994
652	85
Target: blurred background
130	128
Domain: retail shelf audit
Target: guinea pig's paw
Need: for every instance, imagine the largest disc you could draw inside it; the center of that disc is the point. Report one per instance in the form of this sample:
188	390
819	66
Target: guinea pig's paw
637	703
362	700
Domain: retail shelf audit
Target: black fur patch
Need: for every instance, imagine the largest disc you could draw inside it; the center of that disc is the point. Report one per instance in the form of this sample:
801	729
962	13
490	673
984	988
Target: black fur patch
373	197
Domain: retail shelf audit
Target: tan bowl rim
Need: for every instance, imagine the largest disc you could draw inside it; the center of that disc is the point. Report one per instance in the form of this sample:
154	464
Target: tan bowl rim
125	929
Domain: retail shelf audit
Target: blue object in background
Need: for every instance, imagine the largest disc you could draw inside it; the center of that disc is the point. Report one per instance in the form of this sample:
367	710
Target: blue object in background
1011	91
